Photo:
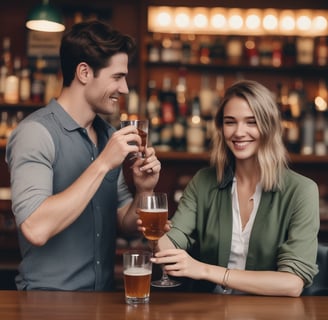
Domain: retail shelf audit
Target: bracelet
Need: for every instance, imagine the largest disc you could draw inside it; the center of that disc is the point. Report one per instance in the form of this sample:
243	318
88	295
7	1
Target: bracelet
225	278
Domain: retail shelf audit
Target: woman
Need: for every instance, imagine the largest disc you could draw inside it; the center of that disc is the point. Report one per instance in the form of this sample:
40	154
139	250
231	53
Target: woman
247	224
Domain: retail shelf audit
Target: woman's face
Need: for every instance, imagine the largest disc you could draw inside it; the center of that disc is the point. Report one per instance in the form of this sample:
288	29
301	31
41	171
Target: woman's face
240	130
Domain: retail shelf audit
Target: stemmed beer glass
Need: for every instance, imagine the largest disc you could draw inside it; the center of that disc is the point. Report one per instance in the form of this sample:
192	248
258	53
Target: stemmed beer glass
153	211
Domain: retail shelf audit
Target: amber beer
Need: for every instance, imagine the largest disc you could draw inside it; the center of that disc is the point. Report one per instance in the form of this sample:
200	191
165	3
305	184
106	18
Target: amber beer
153	220
142	127
144	136
137	283
137	269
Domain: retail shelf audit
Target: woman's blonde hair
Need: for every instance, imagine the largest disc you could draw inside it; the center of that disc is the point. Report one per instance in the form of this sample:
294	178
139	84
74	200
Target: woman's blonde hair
272	155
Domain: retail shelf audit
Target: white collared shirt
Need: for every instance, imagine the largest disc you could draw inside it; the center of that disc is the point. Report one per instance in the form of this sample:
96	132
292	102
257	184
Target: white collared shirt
240	237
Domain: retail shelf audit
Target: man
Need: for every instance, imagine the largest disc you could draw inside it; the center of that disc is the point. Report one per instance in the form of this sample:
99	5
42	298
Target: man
69	196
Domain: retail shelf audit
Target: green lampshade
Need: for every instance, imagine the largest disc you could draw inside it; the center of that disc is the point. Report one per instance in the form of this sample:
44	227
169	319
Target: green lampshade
45	17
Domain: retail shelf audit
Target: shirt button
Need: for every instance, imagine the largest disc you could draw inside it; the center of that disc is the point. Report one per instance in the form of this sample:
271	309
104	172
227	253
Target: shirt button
98	262
92	158
98	235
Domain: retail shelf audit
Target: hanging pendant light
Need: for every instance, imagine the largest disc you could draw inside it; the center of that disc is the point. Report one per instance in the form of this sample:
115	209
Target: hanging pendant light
46	18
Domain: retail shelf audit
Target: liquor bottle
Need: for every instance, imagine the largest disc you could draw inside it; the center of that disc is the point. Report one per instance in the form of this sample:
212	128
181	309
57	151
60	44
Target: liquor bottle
326	129
153	103
305	50
234	50
6	58
133	104
195	129
38	83
322	52
13	122
123	112
307	130
277	53
11	94
153	114
251	51
219	92
207	100
168	101
25	85
297	98
171	50
3	124
206	96
292	133
204	49
5	64
289	52
218	51
180	125
3	76
186	51
154	49
320	148
290	124
265	51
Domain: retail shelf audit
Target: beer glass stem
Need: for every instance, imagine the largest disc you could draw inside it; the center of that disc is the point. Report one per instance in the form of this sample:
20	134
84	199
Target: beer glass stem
153	246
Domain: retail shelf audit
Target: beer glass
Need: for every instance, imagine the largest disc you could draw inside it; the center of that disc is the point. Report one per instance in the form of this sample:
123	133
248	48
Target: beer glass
137	269
153	211
142	127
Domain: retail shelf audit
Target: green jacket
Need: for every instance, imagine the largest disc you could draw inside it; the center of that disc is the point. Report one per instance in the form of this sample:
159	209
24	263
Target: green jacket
284	234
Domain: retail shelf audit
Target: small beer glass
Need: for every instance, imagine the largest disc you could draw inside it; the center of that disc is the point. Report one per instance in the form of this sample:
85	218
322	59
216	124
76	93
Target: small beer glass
137	270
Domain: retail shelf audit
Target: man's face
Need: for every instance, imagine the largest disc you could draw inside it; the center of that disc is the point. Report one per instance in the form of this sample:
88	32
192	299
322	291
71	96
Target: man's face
103	91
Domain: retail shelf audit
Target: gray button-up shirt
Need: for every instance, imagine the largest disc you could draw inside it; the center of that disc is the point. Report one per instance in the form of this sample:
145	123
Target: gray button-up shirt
46	153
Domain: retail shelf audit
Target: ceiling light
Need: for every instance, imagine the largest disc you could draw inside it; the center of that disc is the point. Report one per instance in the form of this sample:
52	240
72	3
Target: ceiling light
46	18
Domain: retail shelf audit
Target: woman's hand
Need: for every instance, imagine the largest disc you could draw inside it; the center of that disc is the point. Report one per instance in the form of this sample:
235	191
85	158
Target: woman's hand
179	263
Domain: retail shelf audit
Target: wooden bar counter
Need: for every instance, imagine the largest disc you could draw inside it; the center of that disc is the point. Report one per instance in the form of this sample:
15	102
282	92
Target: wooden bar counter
45	305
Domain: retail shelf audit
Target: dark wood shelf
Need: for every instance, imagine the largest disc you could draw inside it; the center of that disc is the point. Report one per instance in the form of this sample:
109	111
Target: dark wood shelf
29	105
205	156
298	69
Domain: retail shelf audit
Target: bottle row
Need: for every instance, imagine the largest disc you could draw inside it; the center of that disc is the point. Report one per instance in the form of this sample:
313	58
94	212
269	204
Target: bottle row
8	122
275	51
182	119
178	123
19	82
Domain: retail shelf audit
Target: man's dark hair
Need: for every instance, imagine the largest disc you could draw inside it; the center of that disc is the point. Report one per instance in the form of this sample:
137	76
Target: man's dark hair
92	42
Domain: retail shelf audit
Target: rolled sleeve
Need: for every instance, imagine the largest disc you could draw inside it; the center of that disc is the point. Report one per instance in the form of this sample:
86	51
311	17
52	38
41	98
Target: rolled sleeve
298	254
30	153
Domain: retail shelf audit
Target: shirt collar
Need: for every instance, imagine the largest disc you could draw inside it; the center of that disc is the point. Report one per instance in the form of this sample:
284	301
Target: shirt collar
70	124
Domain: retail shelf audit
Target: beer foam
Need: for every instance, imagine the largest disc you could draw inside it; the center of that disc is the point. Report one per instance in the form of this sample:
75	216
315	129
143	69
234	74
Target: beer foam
159	210
133	271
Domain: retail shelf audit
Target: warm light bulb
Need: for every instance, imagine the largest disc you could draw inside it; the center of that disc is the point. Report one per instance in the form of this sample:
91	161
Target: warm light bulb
287	23
270	22
320	103
182	20
218	21
303	23
163	19
320	23
200	20
253	21
235	21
